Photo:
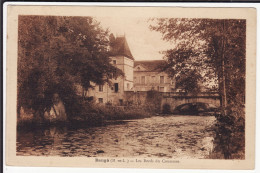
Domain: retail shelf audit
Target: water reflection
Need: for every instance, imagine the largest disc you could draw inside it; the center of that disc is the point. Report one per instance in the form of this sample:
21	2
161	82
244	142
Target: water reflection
170	137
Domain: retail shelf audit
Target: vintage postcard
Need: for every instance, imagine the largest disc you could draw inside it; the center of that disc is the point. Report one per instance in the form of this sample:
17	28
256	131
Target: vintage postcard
130	87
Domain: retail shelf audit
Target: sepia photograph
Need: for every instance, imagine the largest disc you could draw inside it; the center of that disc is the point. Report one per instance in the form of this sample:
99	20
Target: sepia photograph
131	89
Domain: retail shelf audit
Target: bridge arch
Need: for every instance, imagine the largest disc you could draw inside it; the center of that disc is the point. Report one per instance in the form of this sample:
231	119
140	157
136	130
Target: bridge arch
175	101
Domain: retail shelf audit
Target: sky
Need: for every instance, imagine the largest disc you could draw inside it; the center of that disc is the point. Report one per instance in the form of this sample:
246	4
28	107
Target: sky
144	43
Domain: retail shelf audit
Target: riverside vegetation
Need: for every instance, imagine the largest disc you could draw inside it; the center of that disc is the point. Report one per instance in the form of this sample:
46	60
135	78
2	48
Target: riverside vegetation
91	114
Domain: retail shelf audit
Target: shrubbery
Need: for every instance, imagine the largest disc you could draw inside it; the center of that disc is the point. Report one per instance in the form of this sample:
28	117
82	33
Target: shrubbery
120	112
83	112
166	109
230	134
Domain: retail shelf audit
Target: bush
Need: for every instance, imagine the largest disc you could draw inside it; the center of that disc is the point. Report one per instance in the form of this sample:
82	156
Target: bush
81	112
166	109
153	101
121	112
230	136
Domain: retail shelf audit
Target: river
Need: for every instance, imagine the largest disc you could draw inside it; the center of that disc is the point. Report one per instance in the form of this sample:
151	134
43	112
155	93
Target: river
167	137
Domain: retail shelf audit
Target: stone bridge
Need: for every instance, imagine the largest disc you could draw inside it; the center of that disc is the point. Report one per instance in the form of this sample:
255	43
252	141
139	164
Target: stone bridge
176	99
172	98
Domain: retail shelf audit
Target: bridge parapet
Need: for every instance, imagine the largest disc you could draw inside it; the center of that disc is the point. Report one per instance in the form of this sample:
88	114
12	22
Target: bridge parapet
184	94
176	99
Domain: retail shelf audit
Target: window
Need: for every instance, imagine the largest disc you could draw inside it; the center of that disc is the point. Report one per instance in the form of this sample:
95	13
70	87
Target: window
161	89
138	68
90	98
128	86
143	80
114	61
100	100
116	87
100	88
161	79
137	80
121	102
153	79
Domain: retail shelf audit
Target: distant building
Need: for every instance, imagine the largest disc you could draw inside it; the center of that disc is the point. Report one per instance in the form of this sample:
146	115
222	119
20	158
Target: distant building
147	76
139	76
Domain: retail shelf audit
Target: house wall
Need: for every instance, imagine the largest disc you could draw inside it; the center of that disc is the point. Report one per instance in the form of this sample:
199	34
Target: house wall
124	83
119	62
108	93
129	74
152	81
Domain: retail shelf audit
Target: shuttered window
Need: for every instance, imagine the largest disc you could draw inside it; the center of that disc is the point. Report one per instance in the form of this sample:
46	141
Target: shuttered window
162	79
143	80
116	87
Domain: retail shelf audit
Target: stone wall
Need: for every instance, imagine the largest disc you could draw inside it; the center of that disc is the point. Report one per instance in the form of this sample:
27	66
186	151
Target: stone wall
136	98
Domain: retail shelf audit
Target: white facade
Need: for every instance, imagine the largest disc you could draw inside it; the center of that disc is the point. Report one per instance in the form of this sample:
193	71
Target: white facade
114	93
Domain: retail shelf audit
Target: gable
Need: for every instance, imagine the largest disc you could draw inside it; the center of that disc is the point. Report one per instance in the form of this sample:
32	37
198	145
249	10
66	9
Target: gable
153	65
140	68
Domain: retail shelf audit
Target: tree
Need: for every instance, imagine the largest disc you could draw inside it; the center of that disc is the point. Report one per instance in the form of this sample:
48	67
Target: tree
215	49
54	54
189	80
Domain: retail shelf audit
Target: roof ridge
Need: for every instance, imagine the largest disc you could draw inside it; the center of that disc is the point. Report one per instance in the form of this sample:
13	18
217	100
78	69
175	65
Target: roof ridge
150	65
149	60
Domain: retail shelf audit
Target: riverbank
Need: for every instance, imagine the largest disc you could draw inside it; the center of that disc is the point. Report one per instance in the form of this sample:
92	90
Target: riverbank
95	116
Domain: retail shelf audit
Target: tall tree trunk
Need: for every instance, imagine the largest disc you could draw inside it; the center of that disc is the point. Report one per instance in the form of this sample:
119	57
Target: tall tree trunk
224	95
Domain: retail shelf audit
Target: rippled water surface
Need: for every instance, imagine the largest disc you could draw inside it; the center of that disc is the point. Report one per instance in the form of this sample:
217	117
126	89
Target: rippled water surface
169	137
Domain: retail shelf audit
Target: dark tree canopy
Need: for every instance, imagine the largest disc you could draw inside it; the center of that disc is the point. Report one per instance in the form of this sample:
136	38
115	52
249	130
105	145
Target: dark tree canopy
55	53
189	81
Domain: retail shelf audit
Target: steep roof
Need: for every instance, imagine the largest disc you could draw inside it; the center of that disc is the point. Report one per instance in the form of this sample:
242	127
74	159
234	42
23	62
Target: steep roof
153	65
119	46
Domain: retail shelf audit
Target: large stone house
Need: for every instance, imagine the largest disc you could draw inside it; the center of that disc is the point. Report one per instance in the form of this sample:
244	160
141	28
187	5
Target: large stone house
148	76
139	76
122	58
